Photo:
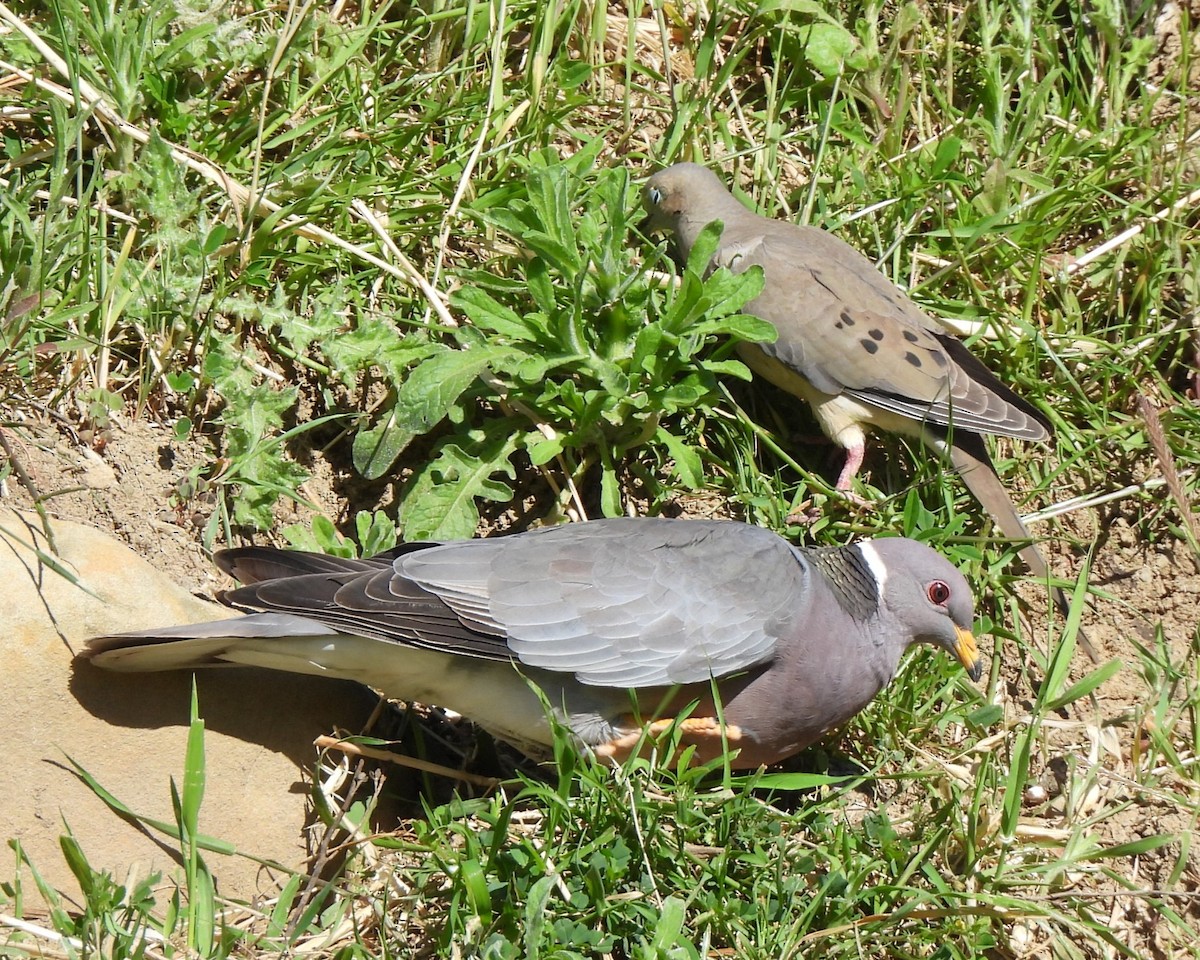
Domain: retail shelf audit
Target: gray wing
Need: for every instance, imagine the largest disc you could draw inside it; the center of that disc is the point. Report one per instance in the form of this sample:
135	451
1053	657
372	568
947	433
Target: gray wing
621	603
848	330
643	602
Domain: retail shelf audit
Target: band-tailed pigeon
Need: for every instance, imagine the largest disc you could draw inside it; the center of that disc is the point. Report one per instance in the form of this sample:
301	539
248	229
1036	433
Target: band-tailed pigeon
854	346
621	623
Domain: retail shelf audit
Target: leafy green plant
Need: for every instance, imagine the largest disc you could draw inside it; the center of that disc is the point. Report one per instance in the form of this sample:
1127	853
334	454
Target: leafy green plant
117	920
589	357
255	469
374	533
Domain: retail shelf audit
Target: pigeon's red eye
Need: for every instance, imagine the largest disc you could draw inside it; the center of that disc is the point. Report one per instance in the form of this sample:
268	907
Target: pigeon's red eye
939	593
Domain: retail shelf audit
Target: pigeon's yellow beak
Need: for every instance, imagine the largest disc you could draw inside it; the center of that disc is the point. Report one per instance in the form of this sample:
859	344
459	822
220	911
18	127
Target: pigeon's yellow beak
967	652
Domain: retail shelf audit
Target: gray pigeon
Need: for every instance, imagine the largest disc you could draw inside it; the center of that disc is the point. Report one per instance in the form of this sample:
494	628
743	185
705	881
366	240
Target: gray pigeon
852	345
621	623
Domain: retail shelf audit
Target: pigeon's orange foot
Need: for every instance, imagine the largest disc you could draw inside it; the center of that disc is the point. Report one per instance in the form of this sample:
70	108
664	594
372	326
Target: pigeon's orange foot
803	515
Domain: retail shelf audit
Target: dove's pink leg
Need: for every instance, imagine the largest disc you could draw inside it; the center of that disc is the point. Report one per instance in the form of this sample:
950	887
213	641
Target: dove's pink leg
854	460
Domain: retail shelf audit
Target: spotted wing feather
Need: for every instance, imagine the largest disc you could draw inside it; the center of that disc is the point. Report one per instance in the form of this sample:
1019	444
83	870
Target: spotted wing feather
850	331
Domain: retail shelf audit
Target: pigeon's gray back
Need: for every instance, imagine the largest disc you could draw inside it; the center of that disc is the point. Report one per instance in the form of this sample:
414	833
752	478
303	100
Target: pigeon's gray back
636	602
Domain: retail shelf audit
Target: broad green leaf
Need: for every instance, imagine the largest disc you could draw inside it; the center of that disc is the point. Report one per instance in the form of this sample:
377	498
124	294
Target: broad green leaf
440	501
704	248
552	249
474	881
684	395
541	287
489	314
668	932
424	399
544	450
646	348
688	464
181	381
378	345
202	909
530	370
741	325
434	386
728	368
827	46
985	716
728	292
376	448
536	904
610	492
948	151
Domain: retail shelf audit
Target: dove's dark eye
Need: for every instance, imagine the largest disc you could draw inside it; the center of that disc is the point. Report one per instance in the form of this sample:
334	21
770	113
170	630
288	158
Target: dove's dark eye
654	194
939	593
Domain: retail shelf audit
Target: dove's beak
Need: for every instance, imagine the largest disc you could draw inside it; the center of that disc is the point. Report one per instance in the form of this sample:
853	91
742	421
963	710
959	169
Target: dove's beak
967	652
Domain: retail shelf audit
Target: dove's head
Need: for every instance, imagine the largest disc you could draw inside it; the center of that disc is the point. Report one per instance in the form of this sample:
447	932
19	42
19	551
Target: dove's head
926	595
683	199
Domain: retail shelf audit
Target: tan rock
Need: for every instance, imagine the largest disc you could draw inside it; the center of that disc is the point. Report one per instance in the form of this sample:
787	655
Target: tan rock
129	731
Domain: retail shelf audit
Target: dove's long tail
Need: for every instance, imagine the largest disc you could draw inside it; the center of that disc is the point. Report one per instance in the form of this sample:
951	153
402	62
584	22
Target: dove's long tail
971	460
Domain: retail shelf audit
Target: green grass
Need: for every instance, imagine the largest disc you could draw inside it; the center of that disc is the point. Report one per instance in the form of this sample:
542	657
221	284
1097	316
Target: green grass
435	277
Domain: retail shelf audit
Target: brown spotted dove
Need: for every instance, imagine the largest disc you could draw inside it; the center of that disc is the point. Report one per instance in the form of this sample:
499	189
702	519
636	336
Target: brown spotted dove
855	347
621	623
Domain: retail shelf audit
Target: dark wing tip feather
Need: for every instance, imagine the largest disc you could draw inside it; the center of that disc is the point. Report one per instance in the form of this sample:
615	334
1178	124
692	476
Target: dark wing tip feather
367	598
295	593
978	371
259	564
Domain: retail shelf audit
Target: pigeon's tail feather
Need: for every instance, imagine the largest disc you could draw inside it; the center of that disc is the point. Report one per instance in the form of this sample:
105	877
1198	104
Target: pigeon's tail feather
217	643
292	644
971	460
